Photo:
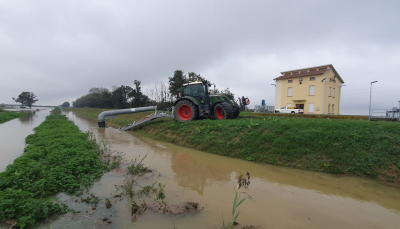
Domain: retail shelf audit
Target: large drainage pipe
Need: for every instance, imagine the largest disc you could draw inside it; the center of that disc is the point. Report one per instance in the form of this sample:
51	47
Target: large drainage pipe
102	116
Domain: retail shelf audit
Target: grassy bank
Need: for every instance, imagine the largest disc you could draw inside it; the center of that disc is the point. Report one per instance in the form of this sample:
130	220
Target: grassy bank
8	115
57	158
355	147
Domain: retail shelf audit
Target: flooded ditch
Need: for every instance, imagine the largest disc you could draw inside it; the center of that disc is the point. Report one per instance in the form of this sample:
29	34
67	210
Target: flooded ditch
14	132
284	197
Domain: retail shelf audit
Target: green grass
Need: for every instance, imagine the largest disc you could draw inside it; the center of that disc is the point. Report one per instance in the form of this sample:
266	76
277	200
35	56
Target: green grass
8	115
57	158
355	147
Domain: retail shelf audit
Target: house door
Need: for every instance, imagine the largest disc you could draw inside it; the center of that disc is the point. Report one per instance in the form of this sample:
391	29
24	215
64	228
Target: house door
311	108
299	106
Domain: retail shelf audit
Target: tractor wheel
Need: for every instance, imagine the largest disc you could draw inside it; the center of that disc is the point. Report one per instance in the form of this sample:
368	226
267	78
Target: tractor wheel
223	111
185	111
235	110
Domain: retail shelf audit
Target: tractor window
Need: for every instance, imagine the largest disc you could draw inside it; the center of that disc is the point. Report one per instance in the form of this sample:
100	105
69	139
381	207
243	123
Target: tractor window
195	90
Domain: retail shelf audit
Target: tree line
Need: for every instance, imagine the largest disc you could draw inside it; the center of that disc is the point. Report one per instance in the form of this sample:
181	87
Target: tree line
160	94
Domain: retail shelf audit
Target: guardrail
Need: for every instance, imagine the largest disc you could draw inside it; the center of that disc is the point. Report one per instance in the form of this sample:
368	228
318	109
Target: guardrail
389	114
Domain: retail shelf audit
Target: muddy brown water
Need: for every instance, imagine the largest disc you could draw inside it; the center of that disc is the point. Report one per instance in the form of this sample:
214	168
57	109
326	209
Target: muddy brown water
284	197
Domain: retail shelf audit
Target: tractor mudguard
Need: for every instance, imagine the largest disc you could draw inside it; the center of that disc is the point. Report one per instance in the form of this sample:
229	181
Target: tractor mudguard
193	100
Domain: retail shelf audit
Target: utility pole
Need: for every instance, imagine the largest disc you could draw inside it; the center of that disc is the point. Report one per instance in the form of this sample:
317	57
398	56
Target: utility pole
370	96
398	112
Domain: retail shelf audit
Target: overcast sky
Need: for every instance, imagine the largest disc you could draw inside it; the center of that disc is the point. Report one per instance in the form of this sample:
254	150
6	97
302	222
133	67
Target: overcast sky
61	49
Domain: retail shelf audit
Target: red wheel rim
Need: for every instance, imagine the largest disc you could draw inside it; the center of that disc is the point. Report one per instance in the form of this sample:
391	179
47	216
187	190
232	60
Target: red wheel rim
184	112
219	112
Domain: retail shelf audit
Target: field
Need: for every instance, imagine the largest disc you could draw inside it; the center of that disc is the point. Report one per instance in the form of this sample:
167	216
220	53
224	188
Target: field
8	115
355	147
57	158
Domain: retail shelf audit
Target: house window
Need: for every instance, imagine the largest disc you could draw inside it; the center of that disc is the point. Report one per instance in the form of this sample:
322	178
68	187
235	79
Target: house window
290	81
289	91
312	90
311	108
329	108
333	108
312	78
333	93
289	104
329	91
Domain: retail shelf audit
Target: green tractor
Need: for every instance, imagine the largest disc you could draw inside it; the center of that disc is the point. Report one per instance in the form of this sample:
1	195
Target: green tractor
194	102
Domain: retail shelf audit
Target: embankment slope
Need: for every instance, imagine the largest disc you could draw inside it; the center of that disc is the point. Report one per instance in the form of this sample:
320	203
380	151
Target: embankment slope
355	147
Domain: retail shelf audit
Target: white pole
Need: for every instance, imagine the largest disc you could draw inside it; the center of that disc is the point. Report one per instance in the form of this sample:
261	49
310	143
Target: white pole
398	112
369	110
370	96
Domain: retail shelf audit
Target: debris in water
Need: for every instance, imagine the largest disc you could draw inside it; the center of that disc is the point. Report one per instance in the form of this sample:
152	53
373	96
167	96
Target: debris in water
106	220
190	207
244	181
194	205
108	203
137	210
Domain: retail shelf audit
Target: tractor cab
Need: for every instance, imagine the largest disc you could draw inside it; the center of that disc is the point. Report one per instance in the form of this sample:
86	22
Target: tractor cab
197	90
194	89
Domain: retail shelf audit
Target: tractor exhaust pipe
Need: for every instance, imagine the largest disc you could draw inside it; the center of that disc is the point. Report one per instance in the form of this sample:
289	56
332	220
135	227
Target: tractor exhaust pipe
102	116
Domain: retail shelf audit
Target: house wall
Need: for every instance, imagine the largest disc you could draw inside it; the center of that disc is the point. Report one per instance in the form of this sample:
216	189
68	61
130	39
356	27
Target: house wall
278	91
301	92
329	100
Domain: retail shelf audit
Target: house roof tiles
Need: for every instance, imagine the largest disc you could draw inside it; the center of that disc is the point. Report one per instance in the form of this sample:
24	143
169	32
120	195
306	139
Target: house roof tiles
302	74
283	76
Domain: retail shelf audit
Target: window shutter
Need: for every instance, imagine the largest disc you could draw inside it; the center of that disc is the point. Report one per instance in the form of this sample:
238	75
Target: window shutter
289	92
312	90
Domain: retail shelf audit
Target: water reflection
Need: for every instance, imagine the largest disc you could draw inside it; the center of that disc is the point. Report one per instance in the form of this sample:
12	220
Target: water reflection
195	175
26	119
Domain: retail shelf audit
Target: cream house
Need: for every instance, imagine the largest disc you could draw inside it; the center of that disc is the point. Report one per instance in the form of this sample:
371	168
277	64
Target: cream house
316	90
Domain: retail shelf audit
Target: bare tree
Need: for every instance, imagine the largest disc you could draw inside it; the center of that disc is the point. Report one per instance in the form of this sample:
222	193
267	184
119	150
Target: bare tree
159	93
